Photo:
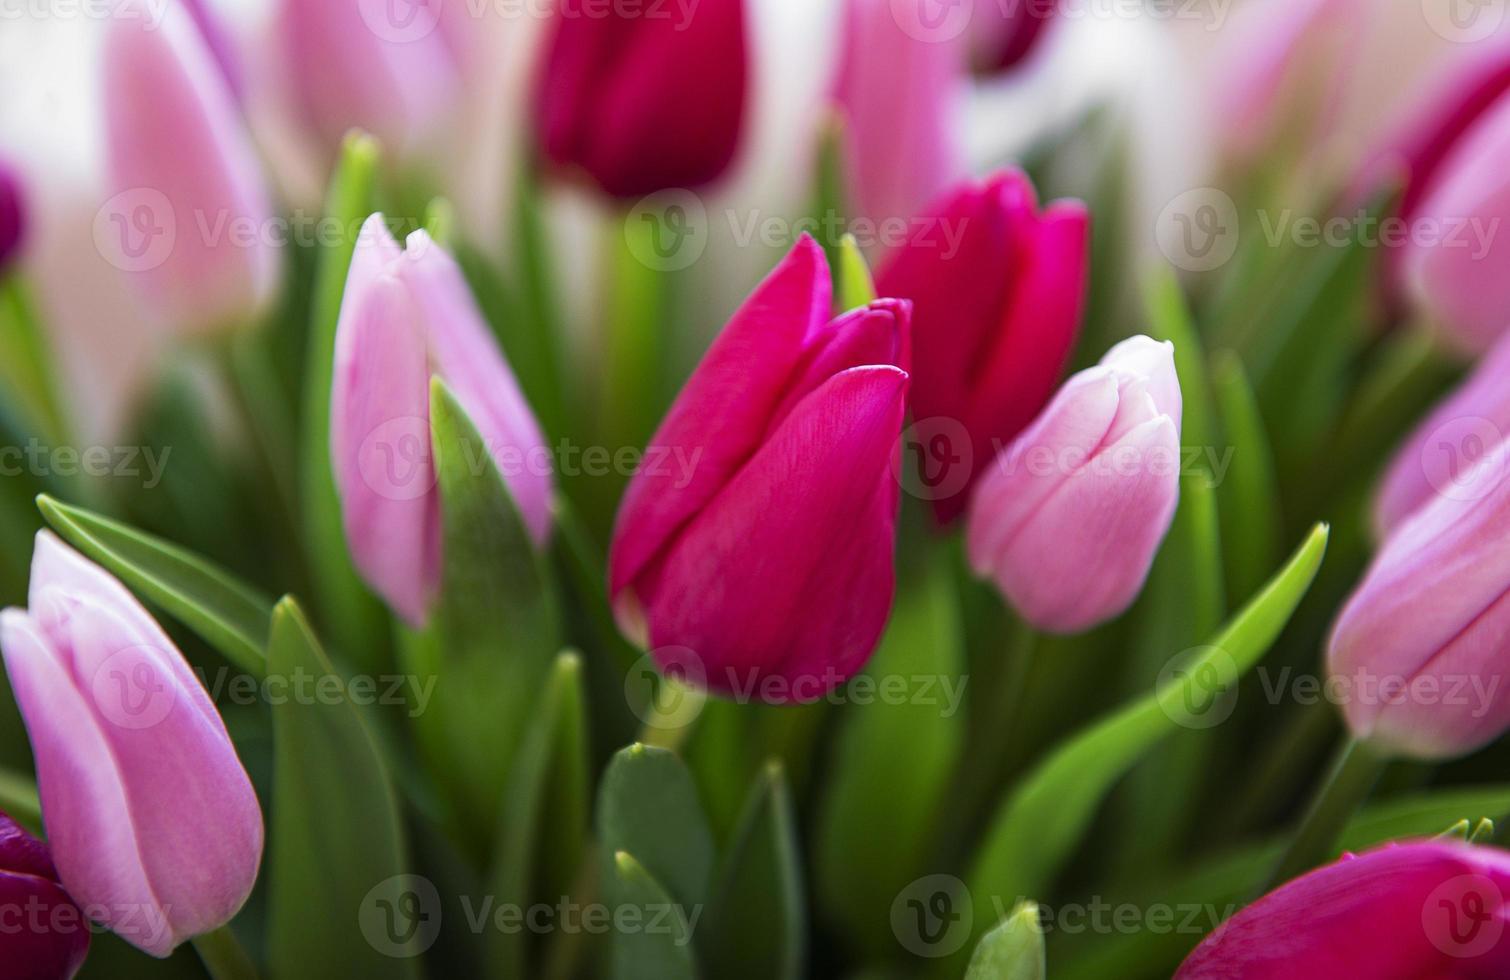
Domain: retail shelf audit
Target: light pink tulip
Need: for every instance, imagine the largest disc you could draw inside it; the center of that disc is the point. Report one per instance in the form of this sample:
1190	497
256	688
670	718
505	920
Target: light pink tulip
1068	517
153	824
407	315
188	216
1419	649
1411	911
1438	455
385	67
900	88
765	569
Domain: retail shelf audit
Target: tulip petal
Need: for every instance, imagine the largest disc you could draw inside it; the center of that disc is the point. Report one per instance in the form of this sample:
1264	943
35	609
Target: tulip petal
876	334
788	572
722	414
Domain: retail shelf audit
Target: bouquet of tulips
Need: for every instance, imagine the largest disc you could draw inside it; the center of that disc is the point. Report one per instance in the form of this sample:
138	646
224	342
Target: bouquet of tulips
753	489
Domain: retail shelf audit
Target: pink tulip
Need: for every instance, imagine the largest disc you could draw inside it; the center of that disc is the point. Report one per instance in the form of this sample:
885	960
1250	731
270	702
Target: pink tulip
647	99
12	217
151	819
384	67
189	218
1419	648
407	315
1068	517
1399	912
764	565
1006	32
899	90
46	936
997	289
218	40
1440	452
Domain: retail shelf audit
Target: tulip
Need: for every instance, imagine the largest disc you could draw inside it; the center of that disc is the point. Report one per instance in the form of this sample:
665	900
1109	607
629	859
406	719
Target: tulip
407	314
1069	516
1419	647
12	217
49	935
645	100
383	67
899	91
1008	31
997	289
189	215
212	29
1440	452
1398	912
151	818
764	565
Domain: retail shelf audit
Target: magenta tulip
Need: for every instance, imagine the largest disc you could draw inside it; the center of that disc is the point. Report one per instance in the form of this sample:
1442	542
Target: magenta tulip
12	217
189	218
1006	32
645	99
1067	519
43	934
763	565
151	819
383	67
1438	456
1410	911
997	288
1419	649
407	315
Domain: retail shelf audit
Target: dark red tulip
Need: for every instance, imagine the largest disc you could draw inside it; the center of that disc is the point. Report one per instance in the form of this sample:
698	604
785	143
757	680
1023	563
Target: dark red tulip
43	934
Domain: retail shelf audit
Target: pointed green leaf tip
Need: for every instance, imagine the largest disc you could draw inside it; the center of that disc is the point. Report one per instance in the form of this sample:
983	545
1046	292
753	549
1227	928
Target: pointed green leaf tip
854	285
1013	950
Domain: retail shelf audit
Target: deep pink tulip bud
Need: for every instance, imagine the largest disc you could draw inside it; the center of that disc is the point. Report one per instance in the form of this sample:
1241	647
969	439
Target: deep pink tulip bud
151	819
1438	456
900	88
12	217
1399	912
1067	519
48	936
761	562
647	99
1006	32
407	315
997	289
1419	648
189	218
384	67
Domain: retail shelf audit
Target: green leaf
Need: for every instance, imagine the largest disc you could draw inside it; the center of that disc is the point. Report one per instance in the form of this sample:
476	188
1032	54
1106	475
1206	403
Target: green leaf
347	609
1250	495
648	806
230	616
1169	319
341	901
1013	950
543	827
652	937
853	285
830	200
531	336
495	633
757	923
1040	823
892	766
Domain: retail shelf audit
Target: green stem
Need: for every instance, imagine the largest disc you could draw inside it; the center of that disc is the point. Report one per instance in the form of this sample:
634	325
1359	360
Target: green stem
1346	786
673	714
18	799
29	358
224	957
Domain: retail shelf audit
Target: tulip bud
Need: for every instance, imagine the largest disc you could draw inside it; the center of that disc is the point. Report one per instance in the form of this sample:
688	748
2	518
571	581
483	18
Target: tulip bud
383	67
1419	909
900	88
1419	646
1008	31
212	29
762	563
648	99
12	217
189	215
407	315
1441	452
49	937
151	818
997	289
1069	516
